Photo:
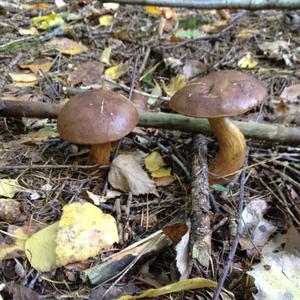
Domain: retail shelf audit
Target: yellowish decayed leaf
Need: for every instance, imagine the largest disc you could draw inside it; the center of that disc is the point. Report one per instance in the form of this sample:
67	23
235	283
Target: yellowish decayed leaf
23	77
16	247
66	46
153	10
84	230
40	248
36	6
247	62
162	172
154	161
28	31
116	71
106	20
37	136
176	84
105	55
180	286
9	187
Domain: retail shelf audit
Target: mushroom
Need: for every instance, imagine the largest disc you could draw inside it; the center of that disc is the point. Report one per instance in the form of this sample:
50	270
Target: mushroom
217	96
97	118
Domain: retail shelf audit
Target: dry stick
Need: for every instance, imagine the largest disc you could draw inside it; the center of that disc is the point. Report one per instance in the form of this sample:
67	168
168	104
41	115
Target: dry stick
260	131
217	4
238	234
200	227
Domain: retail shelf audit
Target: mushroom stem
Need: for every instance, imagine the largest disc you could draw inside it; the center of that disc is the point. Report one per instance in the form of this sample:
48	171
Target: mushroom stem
232	150
99	154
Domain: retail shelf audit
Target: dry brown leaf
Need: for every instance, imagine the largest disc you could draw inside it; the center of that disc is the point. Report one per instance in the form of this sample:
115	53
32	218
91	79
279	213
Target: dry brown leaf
35	67
20	292
66	46
87	73
10	210
127	175
291	93
37	136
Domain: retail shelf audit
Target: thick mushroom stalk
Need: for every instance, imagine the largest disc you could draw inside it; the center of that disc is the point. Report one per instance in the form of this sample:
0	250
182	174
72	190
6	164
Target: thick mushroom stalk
232	151
99	154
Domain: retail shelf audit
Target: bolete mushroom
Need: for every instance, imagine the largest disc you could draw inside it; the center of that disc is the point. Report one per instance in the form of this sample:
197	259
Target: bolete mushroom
217	96
97	118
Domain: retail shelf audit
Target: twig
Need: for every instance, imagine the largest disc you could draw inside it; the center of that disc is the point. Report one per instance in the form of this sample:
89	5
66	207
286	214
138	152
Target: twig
237	237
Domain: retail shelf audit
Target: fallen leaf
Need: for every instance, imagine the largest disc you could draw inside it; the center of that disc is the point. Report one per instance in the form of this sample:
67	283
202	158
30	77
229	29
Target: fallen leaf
247	62
10	210
155	93
274	49
154	161
35	67
247	33
20	292
17	237
277	276
153	10
213	28
193	68
127	175
23	77
9	187
291	93
40	248
115	43
36	6
87	73
28	31
84	230
98	199
162	172
106	20
66	46
172	62
164	181
39	136
105	55
60	3
116	71
182	255
49	21
180	286
176	84
111	6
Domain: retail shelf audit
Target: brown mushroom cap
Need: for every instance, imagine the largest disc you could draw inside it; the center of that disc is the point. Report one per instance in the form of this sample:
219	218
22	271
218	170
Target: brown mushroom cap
96	117
219	94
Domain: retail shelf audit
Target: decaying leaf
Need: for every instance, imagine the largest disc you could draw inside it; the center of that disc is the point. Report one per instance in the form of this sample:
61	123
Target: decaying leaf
106	20
127	175
176	84
291	93
15	246
154	161
213	28
49	21
97	199
66	46
87	73
274	49
105	55
247	33
256	230
193	68
247	62
155	93
20	292
116	71
9	187
28	31
37	136
277	276
180	286
84	230
36	66
23	77
111	6
10	210
40	248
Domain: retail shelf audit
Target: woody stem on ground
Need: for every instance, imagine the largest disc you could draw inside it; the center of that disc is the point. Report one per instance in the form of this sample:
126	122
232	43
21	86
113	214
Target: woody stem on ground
232	150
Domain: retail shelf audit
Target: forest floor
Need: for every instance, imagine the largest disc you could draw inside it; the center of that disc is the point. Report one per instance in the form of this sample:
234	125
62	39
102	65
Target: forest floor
146	54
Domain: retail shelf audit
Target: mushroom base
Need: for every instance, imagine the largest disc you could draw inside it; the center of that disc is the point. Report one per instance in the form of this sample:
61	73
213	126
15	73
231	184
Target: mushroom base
232	151
99	154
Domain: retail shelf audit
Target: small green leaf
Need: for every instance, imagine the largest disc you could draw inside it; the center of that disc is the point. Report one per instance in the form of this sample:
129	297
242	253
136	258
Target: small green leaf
220	188
189	34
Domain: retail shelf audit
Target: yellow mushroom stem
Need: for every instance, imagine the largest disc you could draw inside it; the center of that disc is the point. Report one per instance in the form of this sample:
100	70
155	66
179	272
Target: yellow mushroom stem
99	154
232	151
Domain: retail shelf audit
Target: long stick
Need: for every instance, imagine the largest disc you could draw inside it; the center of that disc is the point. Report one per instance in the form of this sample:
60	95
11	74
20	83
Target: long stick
217	4
260	131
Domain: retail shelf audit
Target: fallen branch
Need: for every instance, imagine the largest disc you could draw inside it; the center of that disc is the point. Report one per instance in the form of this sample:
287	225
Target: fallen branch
260	131
217	4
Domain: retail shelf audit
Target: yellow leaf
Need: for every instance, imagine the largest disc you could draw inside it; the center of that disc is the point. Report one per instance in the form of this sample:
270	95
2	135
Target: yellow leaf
153	10
37	136
162	172
176	84
154	161
48	21
16	247
105	55
9	187
40	248
116	71
23	77
66	46
84	230
28	31
247	62
106	20
180	286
